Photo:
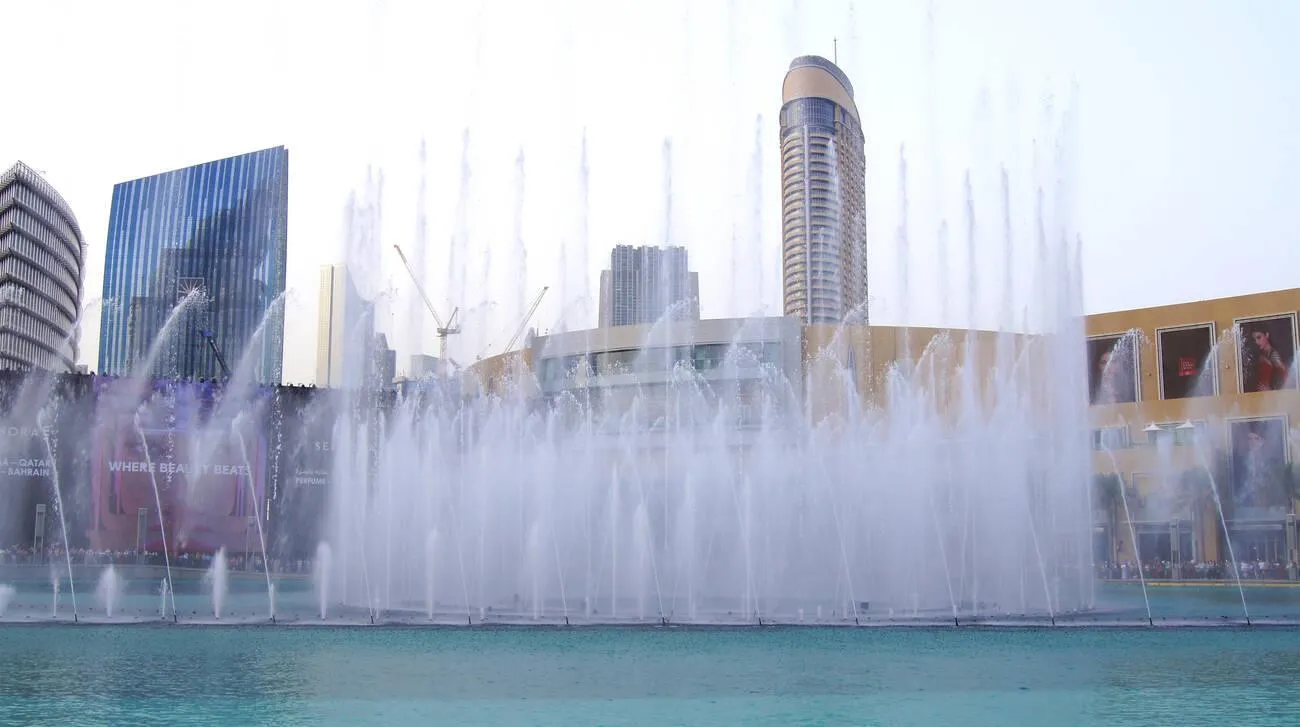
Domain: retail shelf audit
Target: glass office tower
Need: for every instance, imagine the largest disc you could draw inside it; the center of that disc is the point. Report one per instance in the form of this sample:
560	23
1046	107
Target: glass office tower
204	247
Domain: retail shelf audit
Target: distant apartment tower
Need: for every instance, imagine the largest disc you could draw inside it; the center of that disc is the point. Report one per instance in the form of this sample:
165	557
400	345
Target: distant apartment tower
423	366
644	283
214	236
41	274
383	363
823	195
345	333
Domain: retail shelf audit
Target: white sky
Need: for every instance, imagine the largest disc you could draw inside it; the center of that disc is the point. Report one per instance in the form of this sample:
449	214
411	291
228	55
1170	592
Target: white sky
1180	149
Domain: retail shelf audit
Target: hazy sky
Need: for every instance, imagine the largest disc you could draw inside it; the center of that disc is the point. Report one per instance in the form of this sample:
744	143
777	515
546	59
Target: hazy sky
1165	133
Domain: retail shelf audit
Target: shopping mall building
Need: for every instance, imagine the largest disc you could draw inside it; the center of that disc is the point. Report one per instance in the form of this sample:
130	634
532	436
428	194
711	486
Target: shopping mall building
1192	406
1194	411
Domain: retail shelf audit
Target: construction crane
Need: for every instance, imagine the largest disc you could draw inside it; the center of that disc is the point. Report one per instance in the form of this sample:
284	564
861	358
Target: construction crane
444	329
527	317
216	351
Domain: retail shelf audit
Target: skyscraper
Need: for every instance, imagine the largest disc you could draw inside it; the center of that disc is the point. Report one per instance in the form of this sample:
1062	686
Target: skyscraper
215	236
383	363
644	283
346	331
41	273
823	195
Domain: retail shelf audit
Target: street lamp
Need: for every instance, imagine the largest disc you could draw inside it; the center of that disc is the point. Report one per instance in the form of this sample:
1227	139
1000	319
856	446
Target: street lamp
1153	432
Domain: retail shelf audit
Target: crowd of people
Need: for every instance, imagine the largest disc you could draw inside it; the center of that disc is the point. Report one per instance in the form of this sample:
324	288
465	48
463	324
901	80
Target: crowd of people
26	555
1196	571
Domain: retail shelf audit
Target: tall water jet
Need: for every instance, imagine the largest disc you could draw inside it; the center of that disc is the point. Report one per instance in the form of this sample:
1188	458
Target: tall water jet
164	589
157	499
257	518
903	240
1223	522
430	571
756	197
667	237
320	574
109	590
521	250
416	313
7	593
584	217
54	587
58	503
218	579
457	261
1132	530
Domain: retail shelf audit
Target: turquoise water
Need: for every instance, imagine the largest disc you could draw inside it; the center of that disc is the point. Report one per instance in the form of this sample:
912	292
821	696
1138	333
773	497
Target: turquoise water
194	675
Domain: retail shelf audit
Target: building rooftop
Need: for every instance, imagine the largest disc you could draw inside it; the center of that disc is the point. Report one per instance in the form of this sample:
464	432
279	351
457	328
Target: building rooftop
825	65
21	172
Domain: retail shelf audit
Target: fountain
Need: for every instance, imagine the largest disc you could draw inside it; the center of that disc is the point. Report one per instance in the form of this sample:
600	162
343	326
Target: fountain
217	579
321	577
257	518
430	570
164	590
58	506
7	593
808	517
109	590
157	498
722	486
1218	507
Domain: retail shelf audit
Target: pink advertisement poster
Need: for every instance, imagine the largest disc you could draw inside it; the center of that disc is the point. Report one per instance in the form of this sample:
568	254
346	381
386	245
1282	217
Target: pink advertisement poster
203	484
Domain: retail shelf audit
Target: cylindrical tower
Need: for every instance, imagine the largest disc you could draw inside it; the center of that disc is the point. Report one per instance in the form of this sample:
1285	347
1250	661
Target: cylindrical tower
41	274
823	195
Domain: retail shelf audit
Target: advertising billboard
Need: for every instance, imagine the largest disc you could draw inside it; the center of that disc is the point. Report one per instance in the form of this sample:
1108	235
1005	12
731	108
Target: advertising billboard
26	478
1185	370
44	423
1266	353
304	467
1112	370
1259	463
206	476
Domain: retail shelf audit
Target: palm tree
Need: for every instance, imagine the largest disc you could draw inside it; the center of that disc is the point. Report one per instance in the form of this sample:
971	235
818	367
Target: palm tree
1197	491
1108	496
1291	485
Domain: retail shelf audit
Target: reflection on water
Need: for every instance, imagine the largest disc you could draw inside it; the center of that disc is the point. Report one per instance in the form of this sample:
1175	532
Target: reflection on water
288	676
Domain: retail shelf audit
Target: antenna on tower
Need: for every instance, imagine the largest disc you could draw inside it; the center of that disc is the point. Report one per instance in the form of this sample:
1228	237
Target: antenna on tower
835	50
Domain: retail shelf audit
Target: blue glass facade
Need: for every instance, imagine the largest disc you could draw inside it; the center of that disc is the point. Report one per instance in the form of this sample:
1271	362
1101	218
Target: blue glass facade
216	234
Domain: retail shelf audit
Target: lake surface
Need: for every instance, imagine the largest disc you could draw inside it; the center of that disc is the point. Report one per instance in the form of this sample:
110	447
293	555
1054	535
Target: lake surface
310	675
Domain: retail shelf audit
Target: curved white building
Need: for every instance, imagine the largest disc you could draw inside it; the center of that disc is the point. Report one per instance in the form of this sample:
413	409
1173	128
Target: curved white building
42	256
823	195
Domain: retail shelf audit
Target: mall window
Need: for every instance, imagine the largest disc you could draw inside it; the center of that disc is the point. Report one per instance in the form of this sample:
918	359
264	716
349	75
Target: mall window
1110	438
709	356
